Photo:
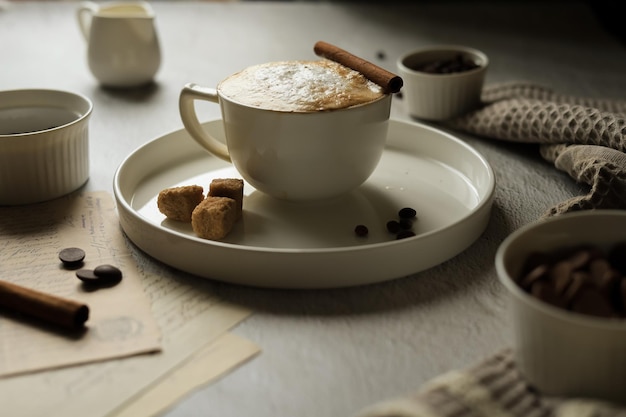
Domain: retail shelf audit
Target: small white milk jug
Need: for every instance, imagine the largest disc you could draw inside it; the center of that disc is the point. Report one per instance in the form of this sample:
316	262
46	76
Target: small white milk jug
122	42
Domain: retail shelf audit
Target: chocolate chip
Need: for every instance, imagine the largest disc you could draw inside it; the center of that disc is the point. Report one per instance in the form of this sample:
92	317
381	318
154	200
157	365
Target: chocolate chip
100	275
72	257
108	273
87	275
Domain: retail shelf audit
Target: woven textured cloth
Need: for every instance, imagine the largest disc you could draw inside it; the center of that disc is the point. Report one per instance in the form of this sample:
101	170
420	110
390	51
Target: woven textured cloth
492	388
584	137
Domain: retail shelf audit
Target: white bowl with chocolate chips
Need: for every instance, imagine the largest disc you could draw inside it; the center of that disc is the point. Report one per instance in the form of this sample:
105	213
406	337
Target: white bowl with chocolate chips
566	277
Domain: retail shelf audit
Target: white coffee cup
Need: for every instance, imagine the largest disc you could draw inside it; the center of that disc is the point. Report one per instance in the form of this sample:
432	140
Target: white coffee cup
44	144
292	155
122	42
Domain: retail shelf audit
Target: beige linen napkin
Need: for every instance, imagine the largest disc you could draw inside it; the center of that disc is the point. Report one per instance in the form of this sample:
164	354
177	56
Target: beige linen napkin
584	137
491	388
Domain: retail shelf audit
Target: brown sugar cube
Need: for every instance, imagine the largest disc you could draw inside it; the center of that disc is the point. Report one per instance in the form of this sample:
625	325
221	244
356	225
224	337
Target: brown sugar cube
214	217
177	203
228	187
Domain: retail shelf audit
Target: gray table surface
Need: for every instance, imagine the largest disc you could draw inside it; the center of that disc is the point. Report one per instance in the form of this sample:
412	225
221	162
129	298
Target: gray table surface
331	353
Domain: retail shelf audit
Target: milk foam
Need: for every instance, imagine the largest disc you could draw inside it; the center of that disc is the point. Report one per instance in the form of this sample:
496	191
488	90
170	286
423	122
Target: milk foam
300	86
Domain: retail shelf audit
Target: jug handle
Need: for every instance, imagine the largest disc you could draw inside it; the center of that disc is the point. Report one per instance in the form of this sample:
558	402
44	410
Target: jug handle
84	14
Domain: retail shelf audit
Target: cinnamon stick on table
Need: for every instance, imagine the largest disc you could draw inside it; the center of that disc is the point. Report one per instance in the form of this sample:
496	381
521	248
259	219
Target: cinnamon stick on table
390	82
53	309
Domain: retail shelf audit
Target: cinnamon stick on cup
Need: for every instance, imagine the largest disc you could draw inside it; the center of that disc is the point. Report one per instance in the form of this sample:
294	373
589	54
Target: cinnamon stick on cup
50	308
390	82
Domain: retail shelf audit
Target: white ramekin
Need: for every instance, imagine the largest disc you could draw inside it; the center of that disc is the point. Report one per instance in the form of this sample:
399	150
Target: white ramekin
440	97
44	144
563	353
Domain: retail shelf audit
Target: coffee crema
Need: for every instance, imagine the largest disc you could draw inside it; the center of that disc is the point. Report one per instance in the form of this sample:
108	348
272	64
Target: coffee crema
300	86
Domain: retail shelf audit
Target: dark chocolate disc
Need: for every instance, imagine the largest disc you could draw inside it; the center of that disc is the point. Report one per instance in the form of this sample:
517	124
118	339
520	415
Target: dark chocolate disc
72	256
87	275
108	273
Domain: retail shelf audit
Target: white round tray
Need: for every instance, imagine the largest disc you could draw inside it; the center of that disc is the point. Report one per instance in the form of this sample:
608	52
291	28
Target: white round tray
279	244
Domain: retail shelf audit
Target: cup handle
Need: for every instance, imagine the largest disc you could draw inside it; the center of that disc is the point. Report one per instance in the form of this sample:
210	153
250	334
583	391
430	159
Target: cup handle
188	95
84	14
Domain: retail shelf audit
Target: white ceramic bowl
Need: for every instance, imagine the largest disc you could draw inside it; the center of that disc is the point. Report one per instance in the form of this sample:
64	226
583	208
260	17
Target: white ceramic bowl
436	96
560	352
44	144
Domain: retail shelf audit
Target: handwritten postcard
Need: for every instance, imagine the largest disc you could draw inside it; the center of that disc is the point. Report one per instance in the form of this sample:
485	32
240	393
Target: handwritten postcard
120	321
192	318
195	346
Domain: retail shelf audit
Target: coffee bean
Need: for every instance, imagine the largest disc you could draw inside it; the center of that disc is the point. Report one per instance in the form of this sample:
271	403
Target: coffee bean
407	213
561	276
599	268
403	234
591	302
545	292
403	226
406	224
622	293
580	258
361	230
617	257
535	259
579	280
459	63
393	226
108	273
72	256
535	274
585	279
